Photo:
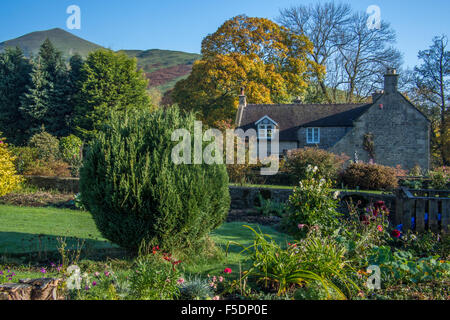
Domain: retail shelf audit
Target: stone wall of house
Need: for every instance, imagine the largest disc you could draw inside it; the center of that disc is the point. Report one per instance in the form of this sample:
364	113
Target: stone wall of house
401	134
328	136
287	145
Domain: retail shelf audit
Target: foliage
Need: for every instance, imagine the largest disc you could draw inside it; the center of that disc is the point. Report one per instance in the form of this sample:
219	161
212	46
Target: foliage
369	177
255	53
48	168
276	267
47	100
440	178
270	208
311	204
46	145
136	192
362	229
14	78
397	266
155	277
70	148
9	180
196	289
25	158
110	82
327	258
431	90
329	164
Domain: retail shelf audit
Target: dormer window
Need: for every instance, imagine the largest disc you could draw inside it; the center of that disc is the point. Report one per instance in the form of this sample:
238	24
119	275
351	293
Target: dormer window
313	135
266	127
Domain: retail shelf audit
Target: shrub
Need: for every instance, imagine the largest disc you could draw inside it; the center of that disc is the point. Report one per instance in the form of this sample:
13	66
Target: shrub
277	267
440	178
46	144
136	192
9	180
329	164
311	204
196	289
25	158
154	277
49	168
369	177
71	152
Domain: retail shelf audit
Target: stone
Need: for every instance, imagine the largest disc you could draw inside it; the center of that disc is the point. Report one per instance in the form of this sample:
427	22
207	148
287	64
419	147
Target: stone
32	289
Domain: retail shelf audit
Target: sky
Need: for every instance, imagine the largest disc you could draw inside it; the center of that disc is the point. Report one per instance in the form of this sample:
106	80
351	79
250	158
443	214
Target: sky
181	25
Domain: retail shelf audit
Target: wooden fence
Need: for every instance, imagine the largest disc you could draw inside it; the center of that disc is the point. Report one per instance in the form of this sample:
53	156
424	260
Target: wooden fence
421	210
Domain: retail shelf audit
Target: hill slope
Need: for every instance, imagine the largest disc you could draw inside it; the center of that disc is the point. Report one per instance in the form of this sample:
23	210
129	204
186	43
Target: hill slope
163	67
64	41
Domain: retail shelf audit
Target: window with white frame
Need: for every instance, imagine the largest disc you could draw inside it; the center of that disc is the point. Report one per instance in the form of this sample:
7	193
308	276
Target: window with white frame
313	135
265	129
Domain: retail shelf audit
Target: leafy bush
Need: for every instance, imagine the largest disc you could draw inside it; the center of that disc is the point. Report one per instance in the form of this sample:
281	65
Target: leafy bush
401	266
270	208
276	267
136	192
311	204
48	168
25	158
328	164
155	277
46	144
440	178
369	177
9	180
71	152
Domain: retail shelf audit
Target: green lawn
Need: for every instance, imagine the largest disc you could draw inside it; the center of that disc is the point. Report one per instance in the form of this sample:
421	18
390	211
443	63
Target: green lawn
24	230
264	186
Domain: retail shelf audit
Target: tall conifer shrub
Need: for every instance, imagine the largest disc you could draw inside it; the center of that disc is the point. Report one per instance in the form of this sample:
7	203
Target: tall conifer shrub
135	192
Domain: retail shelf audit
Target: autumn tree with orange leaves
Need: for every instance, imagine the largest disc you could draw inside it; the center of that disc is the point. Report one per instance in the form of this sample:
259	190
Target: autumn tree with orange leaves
268	60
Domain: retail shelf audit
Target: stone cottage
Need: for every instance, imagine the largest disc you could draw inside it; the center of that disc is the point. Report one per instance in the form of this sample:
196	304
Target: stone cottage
390	130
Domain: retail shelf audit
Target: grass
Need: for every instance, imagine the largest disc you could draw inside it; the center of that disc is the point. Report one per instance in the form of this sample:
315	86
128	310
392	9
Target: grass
24	230
264	186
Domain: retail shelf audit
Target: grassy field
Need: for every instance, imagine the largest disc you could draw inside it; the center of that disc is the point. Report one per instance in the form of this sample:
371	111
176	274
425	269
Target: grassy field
264	186
26	230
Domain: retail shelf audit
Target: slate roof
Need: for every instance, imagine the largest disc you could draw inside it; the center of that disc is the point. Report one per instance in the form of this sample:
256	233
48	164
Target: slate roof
290	117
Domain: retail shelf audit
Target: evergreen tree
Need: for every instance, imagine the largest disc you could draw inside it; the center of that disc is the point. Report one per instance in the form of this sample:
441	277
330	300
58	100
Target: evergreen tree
110	82
47	99
15	72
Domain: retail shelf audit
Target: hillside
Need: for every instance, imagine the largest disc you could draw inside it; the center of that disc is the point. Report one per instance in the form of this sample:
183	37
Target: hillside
64	41
163	67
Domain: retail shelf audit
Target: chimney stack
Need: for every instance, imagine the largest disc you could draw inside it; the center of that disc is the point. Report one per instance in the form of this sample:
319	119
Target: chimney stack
242	98
391	81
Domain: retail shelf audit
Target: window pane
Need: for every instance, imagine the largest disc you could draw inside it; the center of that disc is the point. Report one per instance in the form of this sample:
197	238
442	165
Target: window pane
316	135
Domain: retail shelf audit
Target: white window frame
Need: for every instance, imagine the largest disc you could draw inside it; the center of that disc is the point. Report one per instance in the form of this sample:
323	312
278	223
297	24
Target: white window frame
311	135
264	128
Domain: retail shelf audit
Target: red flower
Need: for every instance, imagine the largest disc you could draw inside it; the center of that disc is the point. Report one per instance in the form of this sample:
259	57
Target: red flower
396	233
227	270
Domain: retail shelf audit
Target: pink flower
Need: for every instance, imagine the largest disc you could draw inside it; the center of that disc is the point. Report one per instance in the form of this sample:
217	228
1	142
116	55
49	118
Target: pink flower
94	283
220	279
380	228
43	270
180	281
107	273
97	274
301	226
216	298
227	270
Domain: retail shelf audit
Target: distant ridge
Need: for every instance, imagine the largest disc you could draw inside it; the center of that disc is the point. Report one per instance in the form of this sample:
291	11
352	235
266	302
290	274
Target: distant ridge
163	67
64	41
